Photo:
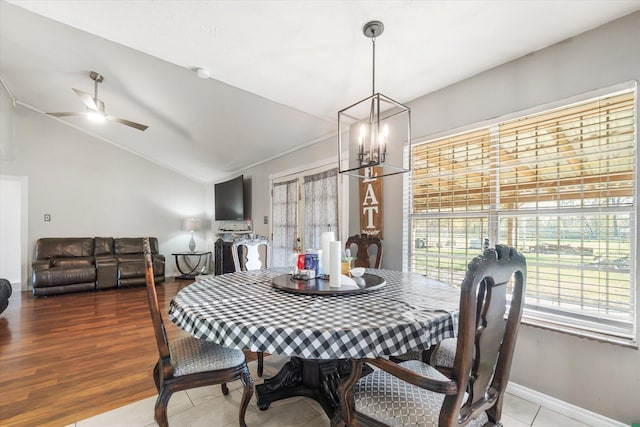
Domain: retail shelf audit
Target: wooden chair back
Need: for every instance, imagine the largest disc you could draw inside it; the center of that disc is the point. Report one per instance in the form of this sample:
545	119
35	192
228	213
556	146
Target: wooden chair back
246	254
485	345
486	339
156	317
362	255
245	251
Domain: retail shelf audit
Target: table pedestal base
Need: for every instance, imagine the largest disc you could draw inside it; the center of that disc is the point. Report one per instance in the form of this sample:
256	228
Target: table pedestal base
316	379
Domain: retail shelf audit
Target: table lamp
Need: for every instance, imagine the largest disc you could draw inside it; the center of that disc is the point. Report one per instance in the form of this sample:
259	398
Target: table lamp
192	224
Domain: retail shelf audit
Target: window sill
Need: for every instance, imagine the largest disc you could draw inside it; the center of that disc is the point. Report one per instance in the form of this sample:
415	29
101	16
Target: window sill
628	342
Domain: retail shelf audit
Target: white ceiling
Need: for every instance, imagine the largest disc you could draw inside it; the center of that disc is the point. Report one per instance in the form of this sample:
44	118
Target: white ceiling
280	70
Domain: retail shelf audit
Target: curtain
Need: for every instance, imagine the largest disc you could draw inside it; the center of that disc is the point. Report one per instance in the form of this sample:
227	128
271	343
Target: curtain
284	217
321	206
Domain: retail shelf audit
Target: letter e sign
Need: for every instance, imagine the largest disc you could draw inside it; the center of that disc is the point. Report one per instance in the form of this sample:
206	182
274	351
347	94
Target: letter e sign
371	203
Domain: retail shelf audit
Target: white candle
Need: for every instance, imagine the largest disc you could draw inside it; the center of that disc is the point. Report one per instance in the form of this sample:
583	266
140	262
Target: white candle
326	238
320	262
335	255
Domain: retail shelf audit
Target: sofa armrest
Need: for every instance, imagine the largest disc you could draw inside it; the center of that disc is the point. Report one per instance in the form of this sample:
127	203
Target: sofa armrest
41	264
158	267
106	272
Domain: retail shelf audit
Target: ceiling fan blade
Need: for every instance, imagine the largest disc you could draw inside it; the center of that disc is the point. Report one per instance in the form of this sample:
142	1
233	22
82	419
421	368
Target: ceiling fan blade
127	122
65	114
87	99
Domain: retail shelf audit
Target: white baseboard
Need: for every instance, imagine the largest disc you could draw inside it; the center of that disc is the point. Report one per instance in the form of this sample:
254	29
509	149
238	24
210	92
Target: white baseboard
562	407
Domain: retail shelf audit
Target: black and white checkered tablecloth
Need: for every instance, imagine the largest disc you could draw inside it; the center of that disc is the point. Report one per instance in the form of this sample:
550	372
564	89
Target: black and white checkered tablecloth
243	310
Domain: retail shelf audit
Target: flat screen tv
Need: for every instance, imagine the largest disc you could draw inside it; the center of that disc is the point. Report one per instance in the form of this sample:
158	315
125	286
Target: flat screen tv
229	200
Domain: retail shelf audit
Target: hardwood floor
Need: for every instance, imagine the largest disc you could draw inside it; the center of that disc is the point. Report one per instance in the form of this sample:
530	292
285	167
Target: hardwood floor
68	357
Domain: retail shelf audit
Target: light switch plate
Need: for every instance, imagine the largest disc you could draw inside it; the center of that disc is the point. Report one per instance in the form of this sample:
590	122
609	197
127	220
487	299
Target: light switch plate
266	219
47	217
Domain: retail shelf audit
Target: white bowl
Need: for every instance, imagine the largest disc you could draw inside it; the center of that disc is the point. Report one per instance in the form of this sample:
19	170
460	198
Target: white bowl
357	272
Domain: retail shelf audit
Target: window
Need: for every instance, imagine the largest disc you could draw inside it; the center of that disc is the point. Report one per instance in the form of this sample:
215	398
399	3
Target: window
559	186
303	206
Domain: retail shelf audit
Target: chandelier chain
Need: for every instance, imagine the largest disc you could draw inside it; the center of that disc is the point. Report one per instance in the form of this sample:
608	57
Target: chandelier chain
373	79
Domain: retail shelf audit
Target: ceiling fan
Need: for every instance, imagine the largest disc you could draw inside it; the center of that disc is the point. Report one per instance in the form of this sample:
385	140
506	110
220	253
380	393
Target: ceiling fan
95	107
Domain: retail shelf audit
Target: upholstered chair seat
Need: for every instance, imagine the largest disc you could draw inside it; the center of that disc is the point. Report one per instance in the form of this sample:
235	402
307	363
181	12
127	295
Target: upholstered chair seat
394	402
190	355
443	355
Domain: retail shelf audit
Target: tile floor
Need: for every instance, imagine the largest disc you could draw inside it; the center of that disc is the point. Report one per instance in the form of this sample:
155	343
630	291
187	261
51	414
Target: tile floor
206	406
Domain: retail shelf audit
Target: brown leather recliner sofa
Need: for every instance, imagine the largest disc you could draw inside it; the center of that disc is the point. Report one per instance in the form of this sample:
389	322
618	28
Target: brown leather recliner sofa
72	264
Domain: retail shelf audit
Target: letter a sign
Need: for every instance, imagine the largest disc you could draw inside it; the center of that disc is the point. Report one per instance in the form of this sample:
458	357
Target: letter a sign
371	203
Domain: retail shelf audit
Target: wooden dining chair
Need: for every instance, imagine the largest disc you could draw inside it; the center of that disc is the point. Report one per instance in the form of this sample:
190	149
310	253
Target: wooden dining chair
188	362
246	255
364	242
414	393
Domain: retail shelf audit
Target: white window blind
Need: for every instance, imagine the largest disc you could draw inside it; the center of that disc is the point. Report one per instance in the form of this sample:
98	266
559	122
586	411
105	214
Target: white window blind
451	203
560	187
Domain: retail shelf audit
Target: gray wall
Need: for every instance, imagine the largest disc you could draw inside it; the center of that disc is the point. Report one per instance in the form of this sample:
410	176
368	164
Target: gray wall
92	188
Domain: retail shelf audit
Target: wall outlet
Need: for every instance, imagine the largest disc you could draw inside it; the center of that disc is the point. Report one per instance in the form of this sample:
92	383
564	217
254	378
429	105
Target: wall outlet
47	217
266	219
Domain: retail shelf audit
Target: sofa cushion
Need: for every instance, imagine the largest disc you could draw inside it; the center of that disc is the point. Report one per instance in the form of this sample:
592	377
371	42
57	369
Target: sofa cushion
130	258
54	290
137	268
63	276
72	262
103	246
131	269
133	245
54	247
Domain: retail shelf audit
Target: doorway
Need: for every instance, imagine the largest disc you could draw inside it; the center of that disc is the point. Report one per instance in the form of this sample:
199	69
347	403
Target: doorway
13	230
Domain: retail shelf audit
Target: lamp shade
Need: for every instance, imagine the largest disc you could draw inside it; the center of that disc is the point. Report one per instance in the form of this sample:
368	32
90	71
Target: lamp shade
191	224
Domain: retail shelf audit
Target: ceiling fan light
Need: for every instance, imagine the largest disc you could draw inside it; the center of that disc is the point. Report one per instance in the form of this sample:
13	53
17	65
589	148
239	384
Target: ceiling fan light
96	116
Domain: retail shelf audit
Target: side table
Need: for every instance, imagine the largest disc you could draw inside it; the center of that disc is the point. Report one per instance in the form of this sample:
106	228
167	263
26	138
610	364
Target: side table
194	264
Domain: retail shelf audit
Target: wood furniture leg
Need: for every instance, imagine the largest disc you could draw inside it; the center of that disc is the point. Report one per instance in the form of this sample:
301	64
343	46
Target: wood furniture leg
316	379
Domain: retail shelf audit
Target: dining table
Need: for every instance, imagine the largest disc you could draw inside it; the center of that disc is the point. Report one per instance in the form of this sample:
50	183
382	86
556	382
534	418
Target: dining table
320	328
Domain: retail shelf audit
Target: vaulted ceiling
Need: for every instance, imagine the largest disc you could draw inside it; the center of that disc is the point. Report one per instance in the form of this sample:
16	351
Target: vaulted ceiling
279	70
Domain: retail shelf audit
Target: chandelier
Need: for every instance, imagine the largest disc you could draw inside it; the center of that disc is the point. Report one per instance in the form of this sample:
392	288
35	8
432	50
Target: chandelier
375	131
